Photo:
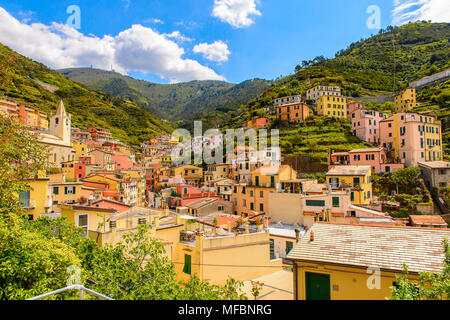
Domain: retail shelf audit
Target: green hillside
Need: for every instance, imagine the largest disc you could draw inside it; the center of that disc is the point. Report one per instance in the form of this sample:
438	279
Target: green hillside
380	65
181	101
27	82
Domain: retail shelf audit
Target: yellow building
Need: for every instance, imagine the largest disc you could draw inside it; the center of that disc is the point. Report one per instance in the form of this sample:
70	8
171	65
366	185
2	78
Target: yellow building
320	90
406	100
114	183
356	178
81	149
191	174
332	106
65	192
36	198
359	262
216	257
253	198
217	171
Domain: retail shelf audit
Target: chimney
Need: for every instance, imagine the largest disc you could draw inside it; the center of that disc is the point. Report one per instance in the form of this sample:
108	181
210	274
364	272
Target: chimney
297	235
247	228
311	236
229	226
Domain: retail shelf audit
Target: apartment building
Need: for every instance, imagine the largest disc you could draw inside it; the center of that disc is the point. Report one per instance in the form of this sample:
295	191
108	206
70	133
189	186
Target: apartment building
354	105
319	91
332	106
366	124
412	137
293	113
376	158
79	135
100	134
357	179
405	101
27	115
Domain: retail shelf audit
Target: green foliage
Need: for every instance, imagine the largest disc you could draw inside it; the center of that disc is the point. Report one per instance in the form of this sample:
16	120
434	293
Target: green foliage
430	286
21	157
181	102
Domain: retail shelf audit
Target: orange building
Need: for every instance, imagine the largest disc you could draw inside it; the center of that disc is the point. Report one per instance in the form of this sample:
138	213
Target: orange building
258	123
296	112
27	115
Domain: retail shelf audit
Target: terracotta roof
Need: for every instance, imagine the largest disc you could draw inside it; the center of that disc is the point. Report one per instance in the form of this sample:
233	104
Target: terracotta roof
366	150
428	219
363	246
435	164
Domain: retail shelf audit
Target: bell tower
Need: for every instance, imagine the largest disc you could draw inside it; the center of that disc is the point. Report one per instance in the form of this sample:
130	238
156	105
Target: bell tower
60	124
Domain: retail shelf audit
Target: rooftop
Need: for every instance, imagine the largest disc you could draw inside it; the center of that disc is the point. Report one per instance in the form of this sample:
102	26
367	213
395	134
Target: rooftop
428	220
435	164
366	150
363	246
349	171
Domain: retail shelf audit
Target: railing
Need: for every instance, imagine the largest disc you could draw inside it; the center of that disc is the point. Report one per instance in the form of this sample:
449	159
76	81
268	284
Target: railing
78	287
187	236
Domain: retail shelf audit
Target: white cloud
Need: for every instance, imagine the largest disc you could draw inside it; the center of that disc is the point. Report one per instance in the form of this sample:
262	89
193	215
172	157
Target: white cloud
135	49
217	51
236	12
177	36
413	10
153	20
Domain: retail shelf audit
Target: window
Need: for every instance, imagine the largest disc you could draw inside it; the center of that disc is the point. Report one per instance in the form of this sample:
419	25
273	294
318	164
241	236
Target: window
261	207
289	246
261	194
315	203
83	223
272	249
335	202
187	264
55	190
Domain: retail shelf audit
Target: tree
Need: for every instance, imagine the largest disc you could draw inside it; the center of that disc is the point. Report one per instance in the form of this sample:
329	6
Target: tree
21	157
30	263
138	269
430	286
407	177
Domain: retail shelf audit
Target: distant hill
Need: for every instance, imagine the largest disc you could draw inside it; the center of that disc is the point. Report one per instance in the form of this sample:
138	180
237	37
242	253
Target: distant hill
174	102
34	84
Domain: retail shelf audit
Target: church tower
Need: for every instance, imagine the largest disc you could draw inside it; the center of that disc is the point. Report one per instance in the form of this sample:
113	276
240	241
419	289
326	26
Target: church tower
60	124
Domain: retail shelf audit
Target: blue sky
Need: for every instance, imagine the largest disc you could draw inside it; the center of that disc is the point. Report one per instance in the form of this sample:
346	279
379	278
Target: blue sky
172	41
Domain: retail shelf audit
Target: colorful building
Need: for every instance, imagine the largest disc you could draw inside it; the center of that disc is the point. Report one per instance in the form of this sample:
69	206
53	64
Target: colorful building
332	106
412	137
405	101
35	200
357	179
258	123
293	113
360	262
319	91
376	158
366	124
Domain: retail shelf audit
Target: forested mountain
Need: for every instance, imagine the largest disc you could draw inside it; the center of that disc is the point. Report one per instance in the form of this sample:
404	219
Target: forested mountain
34	84
180	101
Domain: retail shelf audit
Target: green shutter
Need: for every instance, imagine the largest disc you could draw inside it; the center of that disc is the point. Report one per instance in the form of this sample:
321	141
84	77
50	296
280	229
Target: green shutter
187	264
315	203
272	249
335	202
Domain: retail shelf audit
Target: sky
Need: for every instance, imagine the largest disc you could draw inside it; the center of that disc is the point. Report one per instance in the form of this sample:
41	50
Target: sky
171	41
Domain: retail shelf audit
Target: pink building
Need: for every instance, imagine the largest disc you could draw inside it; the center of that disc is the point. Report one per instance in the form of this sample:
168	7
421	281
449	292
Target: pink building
366	124
412	137
374	157
354	105
122	162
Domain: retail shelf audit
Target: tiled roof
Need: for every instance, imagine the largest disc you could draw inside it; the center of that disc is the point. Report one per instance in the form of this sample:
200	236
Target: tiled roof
366	150
349	170
427	219
269	170
436	164
387	247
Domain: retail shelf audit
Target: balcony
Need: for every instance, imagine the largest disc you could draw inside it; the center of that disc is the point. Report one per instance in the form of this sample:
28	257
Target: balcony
28	205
